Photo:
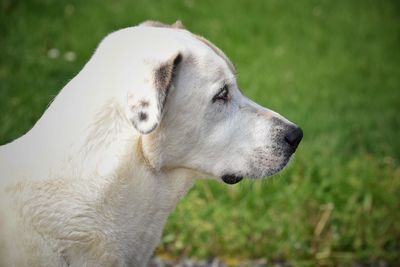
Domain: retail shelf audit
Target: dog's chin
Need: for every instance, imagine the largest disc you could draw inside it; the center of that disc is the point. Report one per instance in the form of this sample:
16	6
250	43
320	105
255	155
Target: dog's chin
272	167
265	171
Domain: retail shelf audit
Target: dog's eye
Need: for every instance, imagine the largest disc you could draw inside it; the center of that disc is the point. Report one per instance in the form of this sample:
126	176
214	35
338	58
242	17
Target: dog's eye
222	95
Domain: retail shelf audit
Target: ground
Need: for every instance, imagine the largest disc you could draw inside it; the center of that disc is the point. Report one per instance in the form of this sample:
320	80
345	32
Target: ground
330	66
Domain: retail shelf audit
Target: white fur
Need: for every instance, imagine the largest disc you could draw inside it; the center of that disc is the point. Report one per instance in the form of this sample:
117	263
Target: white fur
85	188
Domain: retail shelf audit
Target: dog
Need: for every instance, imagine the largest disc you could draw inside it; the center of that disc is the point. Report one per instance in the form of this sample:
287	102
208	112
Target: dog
154	109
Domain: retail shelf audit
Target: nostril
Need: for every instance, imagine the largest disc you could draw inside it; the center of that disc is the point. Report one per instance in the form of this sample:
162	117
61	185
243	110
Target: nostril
293	136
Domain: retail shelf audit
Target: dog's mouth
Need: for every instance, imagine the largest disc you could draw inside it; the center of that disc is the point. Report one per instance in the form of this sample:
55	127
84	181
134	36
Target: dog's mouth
231	179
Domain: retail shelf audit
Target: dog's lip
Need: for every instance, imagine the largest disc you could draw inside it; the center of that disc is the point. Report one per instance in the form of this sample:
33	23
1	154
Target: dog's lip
231	178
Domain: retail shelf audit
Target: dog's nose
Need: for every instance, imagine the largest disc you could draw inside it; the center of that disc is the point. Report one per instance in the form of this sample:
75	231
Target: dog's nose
293	136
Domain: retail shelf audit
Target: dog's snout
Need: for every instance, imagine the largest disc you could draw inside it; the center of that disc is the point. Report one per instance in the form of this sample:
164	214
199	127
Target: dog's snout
293	136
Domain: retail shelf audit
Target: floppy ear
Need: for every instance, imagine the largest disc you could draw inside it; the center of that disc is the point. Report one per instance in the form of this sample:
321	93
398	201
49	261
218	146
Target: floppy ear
146	108
151	23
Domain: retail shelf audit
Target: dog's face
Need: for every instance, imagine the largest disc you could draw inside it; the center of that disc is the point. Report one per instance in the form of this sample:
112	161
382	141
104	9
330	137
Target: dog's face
192	114
210	126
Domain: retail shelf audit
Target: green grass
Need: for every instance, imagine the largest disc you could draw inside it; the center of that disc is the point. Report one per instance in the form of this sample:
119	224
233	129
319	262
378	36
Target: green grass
332	67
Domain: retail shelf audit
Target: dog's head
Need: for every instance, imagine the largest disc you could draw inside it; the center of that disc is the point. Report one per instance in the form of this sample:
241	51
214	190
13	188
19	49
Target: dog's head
182	96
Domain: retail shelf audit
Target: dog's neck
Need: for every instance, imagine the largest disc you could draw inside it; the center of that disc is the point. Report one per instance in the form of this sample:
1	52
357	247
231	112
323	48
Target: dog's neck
139	193
141	199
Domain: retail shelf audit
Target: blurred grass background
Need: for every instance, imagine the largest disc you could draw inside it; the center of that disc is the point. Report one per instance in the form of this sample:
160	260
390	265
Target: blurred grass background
333	67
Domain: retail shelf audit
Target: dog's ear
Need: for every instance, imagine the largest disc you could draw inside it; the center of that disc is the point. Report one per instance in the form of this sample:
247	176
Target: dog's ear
178	25
152	23
147	110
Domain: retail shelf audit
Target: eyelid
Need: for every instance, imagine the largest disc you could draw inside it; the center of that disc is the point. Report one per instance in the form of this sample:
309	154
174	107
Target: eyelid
225	87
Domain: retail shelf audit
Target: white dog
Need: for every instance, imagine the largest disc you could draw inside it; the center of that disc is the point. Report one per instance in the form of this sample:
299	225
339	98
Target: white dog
154	109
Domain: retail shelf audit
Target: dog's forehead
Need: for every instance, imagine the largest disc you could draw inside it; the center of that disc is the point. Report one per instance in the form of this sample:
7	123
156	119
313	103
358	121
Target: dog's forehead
178	26
217	51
